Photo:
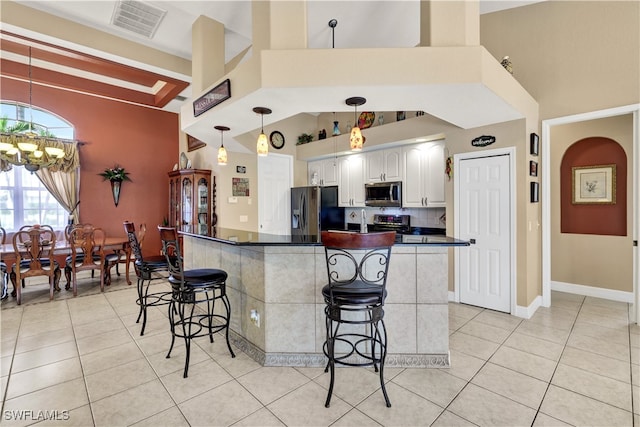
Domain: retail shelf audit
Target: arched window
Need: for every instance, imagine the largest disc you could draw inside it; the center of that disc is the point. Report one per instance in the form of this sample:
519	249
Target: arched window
23	197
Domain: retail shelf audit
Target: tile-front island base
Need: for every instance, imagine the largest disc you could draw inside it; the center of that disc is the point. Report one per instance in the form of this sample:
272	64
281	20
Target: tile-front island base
278	310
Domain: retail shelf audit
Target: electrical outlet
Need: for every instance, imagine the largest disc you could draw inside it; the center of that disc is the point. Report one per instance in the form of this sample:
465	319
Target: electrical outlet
255	317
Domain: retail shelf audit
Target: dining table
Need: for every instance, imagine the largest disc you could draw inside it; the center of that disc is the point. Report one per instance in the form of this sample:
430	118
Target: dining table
118	244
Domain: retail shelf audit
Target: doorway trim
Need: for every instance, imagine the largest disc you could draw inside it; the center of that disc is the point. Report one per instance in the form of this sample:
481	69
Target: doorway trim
511	153
546	200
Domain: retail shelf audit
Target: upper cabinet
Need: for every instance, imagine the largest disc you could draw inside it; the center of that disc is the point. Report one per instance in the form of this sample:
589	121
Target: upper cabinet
424	175
351	180
323	172
383	165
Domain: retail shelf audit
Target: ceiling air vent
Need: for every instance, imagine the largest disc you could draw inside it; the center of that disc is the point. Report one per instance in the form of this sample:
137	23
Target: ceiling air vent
138	17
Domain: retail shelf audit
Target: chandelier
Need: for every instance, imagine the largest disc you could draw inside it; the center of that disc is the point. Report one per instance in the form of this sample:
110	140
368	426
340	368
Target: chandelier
31	150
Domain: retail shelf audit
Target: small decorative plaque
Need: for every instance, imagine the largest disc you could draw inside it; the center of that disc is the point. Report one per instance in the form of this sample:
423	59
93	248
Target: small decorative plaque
212	98
483	141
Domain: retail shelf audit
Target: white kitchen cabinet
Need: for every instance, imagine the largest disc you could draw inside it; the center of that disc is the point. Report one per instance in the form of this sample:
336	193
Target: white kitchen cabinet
424	178
383	165
323	172
351	180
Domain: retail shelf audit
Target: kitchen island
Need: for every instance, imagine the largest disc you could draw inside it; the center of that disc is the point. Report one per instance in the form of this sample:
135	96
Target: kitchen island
275	283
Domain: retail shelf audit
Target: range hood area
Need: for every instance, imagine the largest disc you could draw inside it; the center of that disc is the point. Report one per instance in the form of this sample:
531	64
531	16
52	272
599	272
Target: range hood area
465	86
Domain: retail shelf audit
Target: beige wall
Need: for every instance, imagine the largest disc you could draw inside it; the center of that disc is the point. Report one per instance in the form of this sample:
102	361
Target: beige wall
602	261
571	56
574	57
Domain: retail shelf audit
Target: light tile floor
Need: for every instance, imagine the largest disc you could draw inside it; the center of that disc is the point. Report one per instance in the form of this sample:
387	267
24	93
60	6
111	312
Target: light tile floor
576	363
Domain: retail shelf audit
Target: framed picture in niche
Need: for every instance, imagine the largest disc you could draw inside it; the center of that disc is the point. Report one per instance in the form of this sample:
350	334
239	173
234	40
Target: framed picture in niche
534	144
533	168
593	185
400	115
535	192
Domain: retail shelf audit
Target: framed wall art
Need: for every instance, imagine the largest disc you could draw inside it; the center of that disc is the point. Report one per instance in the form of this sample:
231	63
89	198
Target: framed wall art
194	143
593	184
534	144
535	192
533	168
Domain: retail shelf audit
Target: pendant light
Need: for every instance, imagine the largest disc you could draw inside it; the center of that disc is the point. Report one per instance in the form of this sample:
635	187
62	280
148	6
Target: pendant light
28	149
356	140
263	146
222	152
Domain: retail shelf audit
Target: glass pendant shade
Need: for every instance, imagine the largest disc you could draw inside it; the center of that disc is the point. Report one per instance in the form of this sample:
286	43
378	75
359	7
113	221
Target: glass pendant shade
355	140
263	145
222	156
222	152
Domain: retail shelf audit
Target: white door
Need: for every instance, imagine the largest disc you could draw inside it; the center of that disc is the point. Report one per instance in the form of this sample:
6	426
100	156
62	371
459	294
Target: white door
484	211
275	178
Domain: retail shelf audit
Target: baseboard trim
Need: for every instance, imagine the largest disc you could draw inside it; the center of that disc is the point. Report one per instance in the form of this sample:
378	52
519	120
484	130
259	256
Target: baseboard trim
592	291
527	312
452	297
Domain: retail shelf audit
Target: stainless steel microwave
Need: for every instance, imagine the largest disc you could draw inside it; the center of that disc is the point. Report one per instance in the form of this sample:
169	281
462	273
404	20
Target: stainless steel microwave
383	194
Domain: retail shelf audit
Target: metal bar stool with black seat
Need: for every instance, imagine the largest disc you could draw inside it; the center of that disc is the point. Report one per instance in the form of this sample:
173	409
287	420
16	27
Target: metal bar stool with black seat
194	293
147	269
4	272
357	267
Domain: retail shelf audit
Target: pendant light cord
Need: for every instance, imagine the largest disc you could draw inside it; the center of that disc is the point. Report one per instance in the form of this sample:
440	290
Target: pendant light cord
30	93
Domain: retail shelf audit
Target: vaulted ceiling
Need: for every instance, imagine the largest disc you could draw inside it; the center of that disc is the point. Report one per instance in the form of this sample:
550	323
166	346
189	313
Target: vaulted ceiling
79	66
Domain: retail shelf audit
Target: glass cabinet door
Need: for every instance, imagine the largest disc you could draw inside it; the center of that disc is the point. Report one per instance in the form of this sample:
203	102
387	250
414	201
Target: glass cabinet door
187	205
203	206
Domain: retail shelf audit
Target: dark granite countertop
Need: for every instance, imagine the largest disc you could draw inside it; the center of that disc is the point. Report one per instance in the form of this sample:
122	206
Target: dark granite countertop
252	238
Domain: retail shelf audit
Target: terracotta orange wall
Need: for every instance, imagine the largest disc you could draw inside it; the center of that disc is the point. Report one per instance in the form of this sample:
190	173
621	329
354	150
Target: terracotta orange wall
142	140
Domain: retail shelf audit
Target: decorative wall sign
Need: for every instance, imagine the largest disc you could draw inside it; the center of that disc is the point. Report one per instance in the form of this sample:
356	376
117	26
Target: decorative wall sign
240	187
241	169
594	184
212	98
194	143
483	141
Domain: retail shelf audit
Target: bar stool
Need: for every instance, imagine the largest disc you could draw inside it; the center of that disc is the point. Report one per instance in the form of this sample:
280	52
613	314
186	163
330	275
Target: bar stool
147	269
4	275
357	266
190	288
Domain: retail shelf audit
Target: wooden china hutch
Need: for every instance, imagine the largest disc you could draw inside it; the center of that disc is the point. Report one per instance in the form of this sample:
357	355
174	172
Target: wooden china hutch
192	195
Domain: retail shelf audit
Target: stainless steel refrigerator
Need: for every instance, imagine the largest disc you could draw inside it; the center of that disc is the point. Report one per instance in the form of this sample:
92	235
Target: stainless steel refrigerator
314	209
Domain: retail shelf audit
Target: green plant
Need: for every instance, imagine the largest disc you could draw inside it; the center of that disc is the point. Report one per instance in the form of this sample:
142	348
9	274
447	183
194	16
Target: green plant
304	138
116	173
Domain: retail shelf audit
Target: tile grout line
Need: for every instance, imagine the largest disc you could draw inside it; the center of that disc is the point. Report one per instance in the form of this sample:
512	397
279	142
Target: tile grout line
564	346
13	356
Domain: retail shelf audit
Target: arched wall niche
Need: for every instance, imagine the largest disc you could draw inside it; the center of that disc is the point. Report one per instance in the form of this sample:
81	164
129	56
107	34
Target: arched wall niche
596	218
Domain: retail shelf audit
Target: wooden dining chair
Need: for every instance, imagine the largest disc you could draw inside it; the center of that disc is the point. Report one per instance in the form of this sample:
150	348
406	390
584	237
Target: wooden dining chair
87	253
33	248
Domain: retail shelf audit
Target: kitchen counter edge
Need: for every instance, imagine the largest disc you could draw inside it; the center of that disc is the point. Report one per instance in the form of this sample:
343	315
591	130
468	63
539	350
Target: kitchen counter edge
249	238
